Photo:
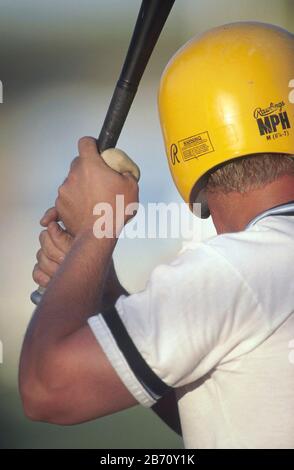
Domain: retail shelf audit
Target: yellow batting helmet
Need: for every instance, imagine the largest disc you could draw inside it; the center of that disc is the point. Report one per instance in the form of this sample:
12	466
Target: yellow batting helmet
225	94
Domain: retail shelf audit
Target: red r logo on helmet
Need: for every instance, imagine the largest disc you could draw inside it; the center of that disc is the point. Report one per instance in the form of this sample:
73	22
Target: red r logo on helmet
174	154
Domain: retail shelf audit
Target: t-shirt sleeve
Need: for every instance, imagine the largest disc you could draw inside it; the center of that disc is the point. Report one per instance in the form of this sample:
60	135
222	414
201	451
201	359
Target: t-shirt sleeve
193	314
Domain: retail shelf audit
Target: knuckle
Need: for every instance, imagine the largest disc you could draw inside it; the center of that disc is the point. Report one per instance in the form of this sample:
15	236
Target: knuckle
39	254
42	260
60	190
50	212
72	176
35	276
35	271
39	277
42	237
43	280
48	251
74	163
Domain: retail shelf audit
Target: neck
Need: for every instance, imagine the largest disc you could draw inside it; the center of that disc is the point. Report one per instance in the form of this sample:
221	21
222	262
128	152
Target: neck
233	211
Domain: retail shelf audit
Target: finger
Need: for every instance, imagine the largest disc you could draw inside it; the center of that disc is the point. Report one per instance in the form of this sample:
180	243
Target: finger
61	239
50	249
129	175
87	147
41	278
50	215
74	163
45	264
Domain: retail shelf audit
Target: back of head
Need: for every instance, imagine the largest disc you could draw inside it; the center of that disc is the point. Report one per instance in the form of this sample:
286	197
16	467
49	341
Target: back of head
224	96
249	173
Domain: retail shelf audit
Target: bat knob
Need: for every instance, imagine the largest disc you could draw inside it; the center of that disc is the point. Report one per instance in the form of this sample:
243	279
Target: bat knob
120	162
36	296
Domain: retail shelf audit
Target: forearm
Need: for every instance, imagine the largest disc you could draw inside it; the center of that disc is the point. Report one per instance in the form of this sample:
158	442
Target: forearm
74	294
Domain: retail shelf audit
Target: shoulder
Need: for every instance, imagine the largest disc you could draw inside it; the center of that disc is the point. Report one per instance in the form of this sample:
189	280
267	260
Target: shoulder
257	249
202	272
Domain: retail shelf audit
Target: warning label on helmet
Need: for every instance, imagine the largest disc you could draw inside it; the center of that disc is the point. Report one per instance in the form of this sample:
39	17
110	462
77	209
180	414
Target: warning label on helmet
195	146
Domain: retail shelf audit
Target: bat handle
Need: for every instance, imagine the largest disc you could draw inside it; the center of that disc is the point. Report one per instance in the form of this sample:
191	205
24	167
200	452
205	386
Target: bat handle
120	104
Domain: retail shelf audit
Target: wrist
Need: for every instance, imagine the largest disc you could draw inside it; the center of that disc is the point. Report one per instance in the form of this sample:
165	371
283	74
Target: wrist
86	241
87	237
100	230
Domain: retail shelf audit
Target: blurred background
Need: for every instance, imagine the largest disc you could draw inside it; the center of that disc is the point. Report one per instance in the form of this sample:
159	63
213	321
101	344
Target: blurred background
59	61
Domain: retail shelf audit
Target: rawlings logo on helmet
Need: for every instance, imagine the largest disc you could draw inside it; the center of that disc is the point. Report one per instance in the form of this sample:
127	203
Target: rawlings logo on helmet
266	111
268	119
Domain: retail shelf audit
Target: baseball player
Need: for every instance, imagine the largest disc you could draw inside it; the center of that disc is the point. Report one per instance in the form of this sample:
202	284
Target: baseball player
206	343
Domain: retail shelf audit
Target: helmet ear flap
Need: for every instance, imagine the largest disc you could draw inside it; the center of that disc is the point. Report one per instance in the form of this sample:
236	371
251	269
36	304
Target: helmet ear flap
198	196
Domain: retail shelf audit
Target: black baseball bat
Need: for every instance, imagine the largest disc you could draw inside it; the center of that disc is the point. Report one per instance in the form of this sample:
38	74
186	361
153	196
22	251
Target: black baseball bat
151	19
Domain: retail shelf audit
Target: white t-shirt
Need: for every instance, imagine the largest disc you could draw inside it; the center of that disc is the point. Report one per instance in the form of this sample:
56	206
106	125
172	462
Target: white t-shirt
217	325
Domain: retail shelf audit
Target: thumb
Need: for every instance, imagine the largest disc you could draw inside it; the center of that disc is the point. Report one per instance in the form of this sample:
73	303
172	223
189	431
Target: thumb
88	147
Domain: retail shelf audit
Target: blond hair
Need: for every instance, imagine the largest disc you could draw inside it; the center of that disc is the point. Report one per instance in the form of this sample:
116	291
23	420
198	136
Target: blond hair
249	172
